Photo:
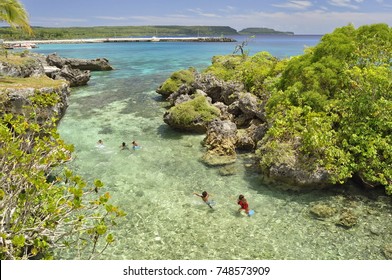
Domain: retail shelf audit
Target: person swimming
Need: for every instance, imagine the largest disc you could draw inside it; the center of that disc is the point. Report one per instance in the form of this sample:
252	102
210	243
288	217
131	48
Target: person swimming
124	146
135	145
205	197
243	203
100	143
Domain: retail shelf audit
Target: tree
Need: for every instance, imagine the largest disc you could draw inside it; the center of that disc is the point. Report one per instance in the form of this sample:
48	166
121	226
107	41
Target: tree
45	207
335	101
241	47
13	12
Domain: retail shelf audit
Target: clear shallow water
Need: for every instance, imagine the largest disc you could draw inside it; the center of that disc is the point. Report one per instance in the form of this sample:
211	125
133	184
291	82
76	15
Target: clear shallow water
154	185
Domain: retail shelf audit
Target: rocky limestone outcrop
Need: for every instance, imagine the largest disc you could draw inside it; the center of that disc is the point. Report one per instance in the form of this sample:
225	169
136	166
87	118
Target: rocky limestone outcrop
218	90
298	176
98	64
75	77
183	93
224	111
31	68
251	107
72	70
75	71
220	142
283	163
18	101
242	125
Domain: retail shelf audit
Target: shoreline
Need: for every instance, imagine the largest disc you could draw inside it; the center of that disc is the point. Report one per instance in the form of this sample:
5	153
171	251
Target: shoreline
120	40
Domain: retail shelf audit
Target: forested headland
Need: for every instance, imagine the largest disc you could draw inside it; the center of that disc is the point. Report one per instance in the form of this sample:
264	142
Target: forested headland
46	33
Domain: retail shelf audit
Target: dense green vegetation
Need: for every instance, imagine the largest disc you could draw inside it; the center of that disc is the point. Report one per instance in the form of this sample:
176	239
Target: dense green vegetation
329	108
254	72
43	206
45	33
337	99
42	33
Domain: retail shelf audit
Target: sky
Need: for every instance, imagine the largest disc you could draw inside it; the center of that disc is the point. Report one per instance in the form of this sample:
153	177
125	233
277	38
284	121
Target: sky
300	17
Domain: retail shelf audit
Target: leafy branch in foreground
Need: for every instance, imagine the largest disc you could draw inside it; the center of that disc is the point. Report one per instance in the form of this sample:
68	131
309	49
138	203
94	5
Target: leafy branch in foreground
13	12
42	211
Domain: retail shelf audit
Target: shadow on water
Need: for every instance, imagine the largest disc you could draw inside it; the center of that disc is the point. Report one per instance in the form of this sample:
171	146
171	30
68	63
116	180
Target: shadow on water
166	132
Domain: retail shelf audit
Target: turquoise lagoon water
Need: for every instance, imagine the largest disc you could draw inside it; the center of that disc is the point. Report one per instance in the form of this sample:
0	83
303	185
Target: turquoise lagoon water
155	185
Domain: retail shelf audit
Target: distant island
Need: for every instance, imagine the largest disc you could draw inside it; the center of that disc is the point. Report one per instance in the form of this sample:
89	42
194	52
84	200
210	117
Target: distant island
262	30
56	33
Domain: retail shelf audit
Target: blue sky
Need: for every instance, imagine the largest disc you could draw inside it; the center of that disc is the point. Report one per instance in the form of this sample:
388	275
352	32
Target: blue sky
301	17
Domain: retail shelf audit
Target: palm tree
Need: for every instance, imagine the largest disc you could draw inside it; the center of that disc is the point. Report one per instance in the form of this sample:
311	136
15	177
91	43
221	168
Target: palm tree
13	12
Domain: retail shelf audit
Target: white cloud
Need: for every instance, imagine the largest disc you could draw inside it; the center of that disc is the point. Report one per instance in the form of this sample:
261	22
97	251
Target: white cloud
384	4
228	9
111	18
344	3
300	5
200	12
47	21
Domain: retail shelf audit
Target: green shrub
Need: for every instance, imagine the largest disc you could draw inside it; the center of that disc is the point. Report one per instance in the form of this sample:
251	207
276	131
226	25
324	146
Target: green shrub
177	79
225	67
335	100
45	207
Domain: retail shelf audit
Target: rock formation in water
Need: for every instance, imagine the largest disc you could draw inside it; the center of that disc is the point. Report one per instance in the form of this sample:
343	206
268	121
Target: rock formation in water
74	76
240	125
25	66
76	71
98	64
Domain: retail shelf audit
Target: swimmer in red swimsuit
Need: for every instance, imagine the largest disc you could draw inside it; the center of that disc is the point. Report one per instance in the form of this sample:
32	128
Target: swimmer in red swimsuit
243	203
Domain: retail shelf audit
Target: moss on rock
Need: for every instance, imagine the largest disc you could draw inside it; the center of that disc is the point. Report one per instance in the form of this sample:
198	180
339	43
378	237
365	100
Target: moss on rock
185	76
192	115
